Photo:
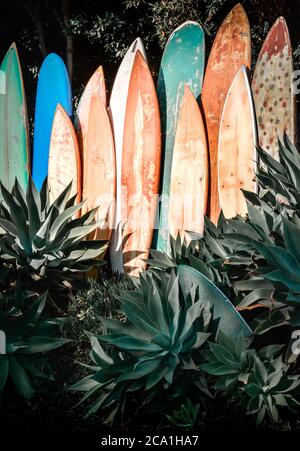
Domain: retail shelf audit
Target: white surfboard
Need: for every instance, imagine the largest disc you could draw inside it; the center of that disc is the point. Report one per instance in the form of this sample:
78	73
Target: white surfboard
117	107
237	147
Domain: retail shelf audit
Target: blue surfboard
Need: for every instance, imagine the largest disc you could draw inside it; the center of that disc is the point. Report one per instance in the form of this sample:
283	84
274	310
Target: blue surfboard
53	88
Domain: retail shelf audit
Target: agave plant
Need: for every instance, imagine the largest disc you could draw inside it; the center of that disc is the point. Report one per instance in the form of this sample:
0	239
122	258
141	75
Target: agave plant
260	381
46	242
154	354
268	388
25	338
186	416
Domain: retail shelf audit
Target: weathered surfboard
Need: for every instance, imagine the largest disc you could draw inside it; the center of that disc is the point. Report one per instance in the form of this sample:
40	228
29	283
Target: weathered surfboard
272	89
237	147
99	175
140	166
117	107
190	171
95	85
64	164
182	63
231	49
53	88
14	145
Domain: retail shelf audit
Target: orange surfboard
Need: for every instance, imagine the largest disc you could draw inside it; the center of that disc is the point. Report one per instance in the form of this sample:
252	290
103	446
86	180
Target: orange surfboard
237	147
272	89
99	176
231	49
64	165
190	171
140	166
95	85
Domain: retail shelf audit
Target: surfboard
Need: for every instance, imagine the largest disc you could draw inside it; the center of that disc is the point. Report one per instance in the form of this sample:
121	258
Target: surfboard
140	166
117	107
231	49
231	323
182	63
237	147
14	144
190	171
272	89
64	164
95	85
99	176
53	88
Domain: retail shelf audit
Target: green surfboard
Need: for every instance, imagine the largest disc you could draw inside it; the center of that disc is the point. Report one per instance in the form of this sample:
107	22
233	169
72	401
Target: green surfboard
182	63
14	152
231	323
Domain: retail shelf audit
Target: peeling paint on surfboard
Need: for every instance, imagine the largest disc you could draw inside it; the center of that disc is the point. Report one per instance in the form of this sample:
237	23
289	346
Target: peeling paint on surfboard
14	142
182	63
117	107
237	147
64	165
141	162
231	49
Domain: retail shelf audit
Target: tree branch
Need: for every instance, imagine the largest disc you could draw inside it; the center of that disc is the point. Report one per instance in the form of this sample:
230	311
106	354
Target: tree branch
34	13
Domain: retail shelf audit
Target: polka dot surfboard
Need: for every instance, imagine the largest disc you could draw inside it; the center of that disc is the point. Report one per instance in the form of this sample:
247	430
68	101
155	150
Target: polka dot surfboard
272	89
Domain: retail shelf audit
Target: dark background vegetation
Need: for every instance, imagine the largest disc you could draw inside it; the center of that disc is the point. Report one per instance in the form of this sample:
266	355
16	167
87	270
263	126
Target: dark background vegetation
87	33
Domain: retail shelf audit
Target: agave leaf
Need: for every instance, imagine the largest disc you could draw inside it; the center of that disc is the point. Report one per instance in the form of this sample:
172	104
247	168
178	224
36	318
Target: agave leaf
270	320
291	235
42	344
130	344
118	327
33	208
4	370
279	257
8	227
38	367
101	358
85	384
255	296
19	194
289	281
231	323
155	308
60	203
200	266
21	328
18	218
140	370
61	219
20	378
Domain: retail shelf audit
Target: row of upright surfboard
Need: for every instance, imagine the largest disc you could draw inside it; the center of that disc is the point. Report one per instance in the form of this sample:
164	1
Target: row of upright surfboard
191	141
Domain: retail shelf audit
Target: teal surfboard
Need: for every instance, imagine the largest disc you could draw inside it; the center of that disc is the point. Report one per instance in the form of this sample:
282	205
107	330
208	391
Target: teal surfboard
53	88
231	323
14	148
182	63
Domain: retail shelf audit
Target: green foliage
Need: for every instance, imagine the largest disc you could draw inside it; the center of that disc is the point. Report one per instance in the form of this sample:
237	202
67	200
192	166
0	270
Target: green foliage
186	416
228	361
45	242
154	351
26	336
259	381
269	387
88	306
